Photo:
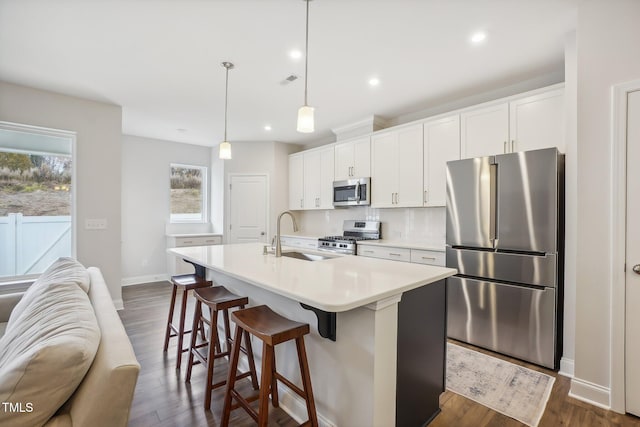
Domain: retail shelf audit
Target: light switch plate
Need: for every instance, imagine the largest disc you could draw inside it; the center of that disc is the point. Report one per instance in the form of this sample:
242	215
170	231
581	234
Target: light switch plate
95	224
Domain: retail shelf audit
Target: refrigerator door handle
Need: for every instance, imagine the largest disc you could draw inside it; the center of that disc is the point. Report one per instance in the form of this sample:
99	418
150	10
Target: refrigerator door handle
493	204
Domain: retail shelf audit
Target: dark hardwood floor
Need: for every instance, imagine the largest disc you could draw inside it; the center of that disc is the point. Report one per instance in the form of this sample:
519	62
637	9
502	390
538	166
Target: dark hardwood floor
163	399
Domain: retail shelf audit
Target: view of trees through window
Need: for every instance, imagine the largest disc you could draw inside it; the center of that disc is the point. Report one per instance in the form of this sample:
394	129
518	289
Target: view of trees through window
35	185
187	194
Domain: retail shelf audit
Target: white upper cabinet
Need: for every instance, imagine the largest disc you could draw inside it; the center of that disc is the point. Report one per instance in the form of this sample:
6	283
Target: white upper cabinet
441	144
396	168
296	181
384	170
353	159
537	122
318	168
484	131
527	123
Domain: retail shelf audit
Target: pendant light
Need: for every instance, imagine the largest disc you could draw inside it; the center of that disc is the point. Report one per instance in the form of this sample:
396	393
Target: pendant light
305	113
225	146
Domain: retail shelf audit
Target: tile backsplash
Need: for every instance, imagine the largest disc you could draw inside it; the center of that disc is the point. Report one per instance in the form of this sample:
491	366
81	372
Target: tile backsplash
425	225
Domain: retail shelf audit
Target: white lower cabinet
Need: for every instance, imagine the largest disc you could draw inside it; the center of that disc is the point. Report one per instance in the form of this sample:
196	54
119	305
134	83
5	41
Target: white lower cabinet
299	242
176	265
421	256
416	256
385	252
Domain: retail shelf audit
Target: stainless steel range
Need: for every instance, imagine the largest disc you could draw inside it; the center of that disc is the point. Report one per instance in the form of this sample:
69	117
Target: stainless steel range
353	231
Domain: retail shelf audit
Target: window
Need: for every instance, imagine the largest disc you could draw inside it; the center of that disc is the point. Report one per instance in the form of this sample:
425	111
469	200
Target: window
36	183
188	193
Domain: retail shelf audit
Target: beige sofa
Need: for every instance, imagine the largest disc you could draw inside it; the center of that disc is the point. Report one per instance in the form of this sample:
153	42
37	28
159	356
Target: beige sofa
104	394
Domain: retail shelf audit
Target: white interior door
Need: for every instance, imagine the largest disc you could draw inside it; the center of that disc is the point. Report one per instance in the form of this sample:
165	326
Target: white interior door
248	208
632	279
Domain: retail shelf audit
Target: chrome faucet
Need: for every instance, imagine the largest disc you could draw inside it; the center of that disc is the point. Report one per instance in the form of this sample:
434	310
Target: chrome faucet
295	228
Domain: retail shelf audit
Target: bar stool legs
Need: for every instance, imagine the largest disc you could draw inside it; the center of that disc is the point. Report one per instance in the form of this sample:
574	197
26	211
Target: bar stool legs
186	282
272	329
217	299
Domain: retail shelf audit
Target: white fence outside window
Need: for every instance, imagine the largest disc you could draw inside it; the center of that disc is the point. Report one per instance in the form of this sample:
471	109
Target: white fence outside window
29	244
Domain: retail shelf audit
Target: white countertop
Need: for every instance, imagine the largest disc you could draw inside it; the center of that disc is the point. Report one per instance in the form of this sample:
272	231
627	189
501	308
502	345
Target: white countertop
404	244
334	285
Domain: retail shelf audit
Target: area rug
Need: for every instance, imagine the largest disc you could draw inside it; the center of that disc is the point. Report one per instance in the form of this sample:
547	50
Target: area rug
512	390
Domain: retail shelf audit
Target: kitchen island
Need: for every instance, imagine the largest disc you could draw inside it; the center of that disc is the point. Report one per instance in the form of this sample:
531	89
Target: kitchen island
386	365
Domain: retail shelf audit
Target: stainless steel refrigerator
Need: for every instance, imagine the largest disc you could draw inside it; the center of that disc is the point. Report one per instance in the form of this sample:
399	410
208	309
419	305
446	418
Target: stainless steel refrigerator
505	221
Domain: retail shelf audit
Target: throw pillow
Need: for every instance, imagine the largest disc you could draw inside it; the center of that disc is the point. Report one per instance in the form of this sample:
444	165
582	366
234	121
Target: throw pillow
46	354
63	270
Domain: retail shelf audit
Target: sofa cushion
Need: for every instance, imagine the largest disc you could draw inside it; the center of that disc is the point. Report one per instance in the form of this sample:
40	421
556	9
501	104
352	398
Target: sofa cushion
46	353
63	270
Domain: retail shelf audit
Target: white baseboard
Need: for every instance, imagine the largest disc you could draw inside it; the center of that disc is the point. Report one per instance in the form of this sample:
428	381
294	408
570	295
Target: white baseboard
566	367
591	393
128	281
296	407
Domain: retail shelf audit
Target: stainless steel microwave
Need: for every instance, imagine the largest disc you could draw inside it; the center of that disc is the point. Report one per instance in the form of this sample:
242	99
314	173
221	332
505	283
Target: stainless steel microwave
352	192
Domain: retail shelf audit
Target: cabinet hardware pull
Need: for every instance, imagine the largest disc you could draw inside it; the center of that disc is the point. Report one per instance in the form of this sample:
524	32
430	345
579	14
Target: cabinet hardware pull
397	199
394	254
301	203
425	197
513	145
368	252
187	241
392	202
504	149
429	257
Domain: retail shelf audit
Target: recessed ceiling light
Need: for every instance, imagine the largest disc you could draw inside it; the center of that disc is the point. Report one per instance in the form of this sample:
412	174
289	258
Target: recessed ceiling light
479	37
267	127
374	81
295	54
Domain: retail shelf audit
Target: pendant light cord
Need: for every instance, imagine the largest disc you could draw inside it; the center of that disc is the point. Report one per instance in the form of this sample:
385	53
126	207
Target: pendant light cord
226	97
306	55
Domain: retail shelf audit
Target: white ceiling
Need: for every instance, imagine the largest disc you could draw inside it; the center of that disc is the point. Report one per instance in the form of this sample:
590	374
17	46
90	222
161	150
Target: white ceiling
160	60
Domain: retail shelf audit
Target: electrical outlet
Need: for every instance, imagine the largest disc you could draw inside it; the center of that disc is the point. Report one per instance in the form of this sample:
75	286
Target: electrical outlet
95	224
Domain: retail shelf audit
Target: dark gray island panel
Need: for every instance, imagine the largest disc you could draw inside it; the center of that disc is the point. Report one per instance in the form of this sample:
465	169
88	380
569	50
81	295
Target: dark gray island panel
422	335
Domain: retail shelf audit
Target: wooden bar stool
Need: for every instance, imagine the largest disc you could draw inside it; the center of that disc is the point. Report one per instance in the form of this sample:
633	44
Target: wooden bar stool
217	298
185	282
272	329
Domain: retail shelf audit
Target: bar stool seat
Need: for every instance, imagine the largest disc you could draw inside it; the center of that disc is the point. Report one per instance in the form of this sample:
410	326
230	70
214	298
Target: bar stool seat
217	298
184	282
272	329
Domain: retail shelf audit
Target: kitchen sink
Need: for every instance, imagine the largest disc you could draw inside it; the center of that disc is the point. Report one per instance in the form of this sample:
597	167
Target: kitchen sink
306	256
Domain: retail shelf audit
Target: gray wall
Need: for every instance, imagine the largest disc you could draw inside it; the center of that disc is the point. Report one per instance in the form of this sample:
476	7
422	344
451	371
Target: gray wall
145	203
98	144
607	54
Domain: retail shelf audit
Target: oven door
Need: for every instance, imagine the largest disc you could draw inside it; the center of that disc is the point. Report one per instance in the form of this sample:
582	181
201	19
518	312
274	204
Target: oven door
352	192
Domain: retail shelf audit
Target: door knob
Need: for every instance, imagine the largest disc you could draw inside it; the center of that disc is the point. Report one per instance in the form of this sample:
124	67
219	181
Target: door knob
636	268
